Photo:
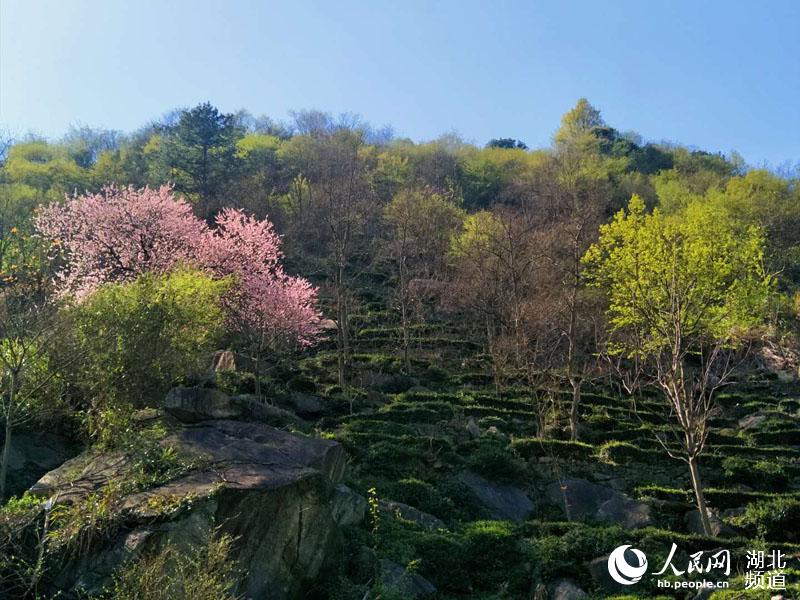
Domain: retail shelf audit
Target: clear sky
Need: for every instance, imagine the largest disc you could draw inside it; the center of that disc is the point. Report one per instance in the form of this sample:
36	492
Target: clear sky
719	75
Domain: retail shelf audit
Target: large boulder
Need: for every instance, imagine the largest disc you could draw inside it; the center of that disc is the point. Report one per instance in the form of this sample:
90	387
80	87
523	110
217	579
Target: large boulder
348	507
32	454
305	405
502	501
409	513
583	500
403	582
694	524
271	490
193	404
566	589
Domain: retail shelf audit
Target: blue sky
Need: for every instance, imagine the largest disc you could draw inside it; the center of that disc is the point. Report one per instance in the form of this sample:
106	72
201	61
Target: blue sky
717	75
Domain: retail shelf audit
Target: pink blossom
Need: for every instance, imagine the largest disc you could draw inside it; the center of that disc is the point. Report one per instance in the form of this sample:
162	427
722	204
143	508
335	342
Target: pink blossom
121	233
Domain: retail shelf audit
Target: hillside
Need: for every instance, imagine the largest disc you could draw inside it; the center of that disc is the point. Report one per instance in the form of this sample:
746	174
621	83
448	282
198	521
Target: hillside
244	359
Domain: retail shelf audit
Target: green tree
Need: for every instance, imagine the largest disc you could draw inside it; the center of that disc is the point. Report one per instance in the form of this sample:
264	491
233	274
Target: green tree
47	168
140	337
199	155
684	292
578	123
421	224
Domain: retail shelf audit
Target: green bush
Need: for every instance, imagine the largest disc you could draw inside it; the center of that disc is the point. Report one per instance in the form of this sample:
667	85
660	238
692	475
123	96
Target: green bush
492	554
491	457
616	452
207	573
776	519
442	561
140	337
419	494
770	474
539	447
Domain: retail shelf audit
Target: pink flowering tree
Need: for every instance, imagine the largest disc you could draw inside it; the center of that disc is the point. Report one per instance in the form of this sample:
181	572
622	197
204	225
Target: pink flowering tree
118	234
121	233
268	310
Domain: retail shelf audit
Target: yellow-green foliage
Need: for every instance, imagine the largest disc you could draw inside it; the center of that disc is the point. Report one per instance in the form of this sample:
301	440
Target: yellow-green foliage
139	337
698	266
206	573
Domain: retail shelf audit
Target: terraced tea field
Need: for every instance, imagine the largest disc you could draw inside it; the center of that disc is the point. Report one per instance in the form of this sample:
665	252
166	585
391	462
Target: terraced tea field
449	464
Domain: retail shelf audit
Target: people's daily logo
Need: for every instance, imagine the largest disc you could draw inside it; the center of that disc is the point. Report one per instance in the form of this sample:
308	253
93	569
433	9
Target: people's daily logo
623	571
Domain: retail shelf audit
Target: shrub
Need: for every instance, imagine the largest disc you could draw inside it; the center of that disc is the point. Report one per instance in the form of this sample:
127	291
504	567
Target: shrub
538	447
442	561
206	573
492	555
491	457
420	494
140	337
616	452
776	519
767	473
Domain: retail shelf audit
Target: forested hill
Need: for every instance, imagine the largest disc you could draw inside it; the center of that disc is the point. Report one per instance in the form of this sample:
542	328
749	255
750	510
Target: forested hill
243	358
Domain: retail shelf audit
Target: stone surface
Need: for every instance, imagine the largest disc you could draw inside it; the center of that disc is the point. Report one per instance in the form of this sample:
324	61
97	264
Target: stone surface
271	490
566	589
409	585
694	524
502	501
598	569
752	421
254	408
348	507
224	360
305	405
472	428
583	500
193	404
33	454
409	513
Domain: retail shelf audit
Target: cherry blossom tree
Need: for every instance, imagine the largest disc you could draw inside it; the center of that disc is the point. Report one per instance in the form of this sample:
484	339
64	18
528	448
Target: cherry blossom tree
118	234
268	309
121	233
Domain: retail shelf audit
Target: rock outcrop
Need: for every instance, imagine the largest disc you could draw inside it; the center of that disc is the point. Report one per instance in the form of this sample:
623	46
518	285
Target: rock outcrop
403	582
501	500
581	499
271	490
32	455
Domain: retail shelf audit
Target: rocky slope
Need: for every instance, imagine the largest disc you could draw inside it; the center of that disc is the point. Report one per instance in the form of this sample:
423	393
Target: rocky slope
273	491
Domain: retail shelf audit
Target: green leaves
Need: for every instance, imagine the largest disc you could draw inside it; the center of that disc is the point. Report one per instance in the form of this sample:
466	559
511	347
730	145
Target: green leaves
140	336
687	278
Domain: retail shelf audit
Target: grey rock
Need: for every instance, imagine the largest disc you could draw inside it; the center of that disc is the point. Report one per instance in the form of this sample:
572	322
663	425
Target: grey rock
566	589
581	499
502	501
752	421
31	455
305	405
734	512
348	507
410	585
223	361
271	490
193	404
254	408
409	513
598	569
472	428
694	524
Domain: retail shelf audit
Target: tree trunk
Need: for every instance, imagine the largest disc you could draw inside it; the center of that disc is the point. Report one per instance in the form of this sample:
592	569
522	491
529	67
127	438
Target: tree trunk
342	338
257	377
576	402
404	317
699	495
7	441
